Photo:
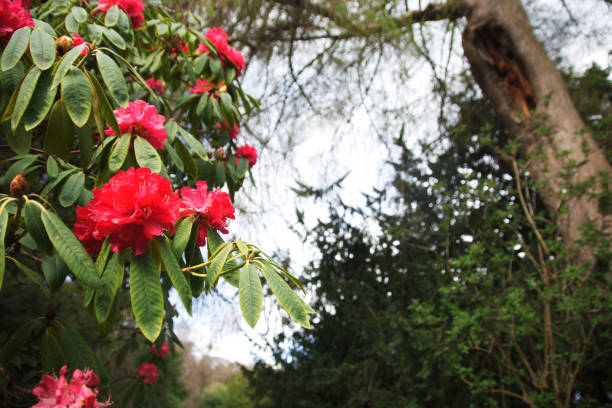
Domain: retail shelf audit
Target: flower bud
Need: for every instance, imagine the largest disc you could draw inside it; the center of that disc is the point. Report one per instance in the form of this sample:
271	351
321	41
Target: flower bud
223	88
220	154
64	44
18	186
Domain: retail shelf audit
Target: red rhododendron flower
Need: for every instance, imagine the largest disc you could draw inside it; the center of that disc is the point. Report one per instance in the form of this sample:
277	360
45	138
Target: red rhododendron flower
212	209
248	152
141	119
233	132
218	37
78	40
12	17
203	86
155	84
53	392
133	8
163	350
148	372
132	208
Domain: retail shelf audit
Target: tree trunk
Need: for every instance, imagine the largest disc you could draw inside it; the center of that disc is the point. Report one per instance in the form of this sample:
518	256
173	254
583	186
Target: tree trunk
530	97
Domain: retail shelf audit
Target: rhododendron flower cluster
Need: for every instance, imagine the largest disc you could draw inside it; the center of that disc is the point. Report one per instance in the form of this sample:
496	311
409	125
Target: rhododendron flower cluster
149	373
212	209
133	8
12	17
163	350
141	119
232	132
78	40
218	37
203	86
132	208
53	392
248	152
156	84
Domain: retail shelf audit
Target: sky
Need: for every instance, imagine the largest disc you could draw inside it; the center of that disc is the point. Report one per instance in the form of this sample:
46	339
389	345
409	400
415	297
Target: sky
324	150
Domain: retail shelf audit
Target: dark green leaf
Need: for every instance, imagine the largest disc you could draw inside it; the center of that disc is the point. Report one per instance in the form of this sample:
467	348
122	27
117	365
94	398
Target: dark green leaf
16	342
112	279
214	241
113	78
52	168
71	250
216	266
55	271
26	90
146	295
250	293
146	155
32	213
15	48
61	69
33	275
108	141
179	281
72	189
119	153
190	166
181	236
77	95
19	140
194	144
202	104
171	127
42	49
79	354
53	357
114	38
3	225
44	94
174	156
60	132
107	111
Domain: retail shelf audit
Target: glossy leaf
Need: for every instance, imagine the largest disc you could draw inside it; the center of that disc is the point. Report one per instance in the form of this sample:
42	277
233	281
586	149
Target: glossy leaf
71	250
112	16
190	166
55	271
79	14
60	71
42	49
119	153
26	90
146	295
194	144
216	266
105	107
15	48
52	355
288	299
250	293
214	241
72	189
112	278
113	78
179	281
16	342
33	275
77	95
59	136
32	212
146	155
43	97
181	236
79	354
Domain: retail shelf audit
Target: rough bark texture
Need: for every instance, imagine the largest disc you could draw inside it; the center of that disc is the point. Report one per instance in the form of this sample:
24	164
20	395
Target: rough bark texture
529	95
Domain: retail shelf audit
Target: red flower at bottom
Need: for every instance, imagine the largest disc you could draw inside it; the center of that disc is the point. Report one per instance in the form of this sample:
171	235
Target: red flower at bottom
248	152
163	350
132	208
148	372
211	208
156	84
53	392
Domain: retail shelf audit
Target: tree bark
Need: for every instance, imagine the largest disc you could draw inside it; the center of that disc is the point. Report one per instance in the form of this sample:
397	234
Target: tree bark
529	95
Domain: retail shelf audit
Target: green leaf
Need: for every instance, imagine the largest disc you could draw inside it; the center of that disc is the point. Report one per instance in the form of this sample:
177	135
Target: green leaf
202	104
77	95
215	67
103	256
44	94
216	266
16	342
32	213
71	250
179	281
146	295
171	128
79	354
79	14
113	78
111	282
181	236
190	166
53	357
26	90
42	49
214	241
286	297
60	132
55	271
101	148
52	167
194	144
105	107
15	48
243	167
33	275
72	189
72	26
146	155
46	27
112	16
114	38
119	153
3	225
174	156
19	140
65	63
250	293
